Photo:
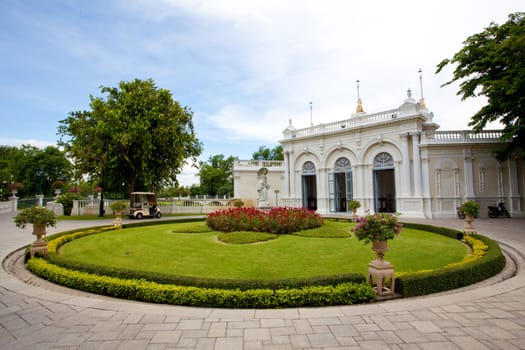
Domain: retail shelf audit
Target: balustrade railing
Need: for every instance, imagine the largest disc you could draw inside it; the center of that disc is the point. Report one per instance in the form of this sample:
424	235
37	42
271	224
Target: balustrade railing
348	123
166	205
466	136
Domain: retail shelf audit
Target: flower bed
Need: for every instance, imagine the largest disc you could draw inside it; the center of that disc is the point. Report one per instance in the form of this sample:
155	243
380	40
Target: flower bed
278	220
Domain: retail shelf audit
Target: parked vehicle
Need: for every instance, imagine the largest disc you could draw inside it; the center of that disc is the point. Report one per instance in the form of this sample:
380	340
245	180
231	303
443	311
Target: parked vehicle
143	205
496	211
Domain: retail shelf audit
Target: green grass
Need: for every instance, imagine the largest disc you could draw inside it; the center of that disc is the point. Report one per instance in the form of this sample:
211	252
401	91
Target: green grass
165	249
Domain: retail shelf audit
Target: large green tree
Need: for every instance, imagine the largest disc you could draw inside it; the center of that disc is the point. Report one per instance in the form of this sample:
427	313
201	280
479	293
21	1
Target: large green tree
35	168
492	64
138	135
265	153
216	175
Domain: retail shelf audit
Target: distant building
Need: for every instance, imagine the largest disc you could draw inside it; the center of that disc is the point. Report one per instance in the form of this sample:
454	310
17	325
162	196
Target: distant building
392	161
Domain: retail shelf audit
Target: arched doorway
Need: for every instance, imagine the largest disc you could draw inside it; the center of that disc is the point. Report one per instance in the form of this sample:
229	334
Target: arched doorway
340	185
309	186
384	183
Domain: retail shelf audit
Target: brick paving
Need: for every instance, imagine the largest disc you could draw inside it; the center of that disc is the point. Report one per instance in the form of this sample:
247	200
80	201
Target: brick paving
490	315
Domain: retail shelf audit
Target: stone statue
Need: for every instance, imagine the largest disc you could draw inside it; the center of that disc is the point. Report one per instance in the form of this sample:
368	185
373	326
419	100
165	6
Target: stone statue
262	186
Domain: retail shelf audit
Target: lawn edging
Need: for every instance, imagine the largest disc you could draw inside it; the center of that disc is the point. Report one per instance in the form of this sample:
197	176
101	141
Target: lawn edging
457	276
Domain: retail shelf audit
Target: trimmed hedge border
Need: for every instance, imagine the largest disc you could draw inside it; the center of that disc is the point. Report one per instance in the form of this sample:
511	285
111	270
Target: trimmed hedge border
449	278
316	291
142	290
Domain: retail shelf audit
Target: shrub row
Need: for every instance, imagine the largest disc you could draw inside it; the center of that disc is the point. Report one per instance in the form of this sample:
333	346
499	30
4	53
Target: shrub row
459	275
142	290
278	220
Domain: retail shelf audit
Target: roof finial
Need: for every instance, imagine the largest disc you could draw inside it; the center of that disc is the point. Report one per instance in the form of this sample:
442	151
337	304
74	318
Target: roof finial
359	108
422	100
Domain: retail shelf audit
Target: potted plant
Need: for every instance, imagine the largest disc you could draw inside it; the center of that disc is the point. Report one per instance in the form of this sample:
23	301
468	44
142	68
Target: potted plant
353	205
117	208
470	209
377	229
41	218
57	187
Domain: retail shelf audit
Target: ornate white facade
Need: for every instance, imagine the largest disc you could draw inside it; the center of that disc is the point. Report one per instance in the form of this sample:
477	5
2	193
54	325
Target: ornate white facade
393	161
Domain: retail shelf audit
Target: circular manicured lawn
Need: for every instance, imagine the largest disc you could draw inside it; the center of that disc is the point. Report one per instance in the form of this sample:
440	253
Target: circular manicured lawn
192	249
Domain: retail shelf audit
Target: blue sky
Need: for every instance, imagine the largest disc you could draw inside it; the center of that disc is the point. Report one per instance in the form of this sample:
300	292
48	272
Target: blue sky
244	67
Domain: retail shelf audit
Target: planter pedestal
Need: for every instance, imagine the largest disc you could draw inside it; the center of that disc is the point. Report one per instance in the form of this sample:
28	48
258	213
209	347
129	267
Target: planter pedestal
381	276
468	228
40	245
117	222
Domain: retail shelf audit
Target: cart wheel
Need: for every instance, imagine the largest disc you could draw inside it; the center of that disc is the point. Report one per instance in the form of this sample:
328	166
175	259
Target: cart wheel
159	215
139	216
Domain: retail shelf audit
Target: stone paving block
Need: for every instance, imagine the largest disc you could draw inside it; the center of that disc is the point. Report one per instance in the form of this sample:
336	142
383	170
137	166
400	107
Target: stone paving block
280	339
243	324
279	331
411	336
320	329
130	331
390	337
272	322
111	335
168	337
159	327
236	332
504	344
253	345
153	318
322	340
324	321
351	319
186	342
369	336
299	341
104	326
438	346
364	327
496	332
261	334
99	345
508	324
133	318
229	343
217	329
302	326
190	324
73	339
373	345
383	323
343	330
132	345
468	343
426	326
205	344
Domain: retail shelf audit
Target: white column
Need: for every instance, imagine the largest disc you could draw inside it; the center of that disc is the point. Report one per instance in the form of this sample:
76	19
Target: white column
416	164
405	166
286	187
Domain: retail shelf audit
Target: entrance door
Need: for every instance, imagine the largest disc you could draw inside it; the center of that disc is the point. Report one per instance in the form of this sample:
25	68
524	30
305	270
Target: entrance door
340	191
309	186
309	192
384	184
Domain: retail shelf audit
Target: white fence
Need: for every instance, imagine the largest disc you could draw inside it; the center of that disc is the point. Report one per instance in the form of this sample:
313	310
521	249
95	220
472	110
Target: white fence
166	205
9	206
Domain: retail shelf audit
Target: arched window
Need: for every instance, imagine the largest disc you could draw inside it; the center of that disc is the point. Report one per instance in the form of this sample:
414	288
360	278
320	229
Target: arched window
308	168
383	160
342	165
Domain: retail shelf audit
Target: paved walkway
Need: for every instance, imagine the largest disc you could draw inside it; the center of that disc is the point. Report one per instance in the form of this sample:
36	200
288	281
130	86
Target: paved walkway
481	317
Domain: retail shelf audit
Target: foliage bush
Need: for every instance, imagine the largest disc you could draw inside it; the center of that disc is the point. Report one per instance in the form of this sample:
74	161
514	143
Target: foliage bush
377	227
66	199
278	220
485	261
140	289
470	208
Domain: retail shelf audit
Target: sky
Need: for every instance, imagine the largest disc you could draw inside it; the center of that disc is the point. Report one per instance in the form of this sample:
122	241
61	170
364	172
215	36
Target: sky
245	68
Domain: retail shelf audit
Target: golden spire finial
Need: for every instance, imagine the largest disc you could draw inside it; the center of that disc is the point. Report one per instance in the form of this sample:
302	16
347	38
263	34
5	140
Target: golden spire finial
359	108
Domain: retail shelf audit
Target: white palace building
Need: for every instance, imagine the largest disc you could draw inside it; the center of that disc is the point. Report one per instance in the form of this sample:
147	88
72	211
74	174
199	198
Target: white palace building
392	161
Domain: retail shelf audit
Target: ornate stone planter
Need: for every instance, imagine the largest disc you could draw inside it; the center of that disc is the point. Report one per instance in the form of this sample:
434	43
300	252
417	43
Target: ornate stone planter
40	245
380	272
468	227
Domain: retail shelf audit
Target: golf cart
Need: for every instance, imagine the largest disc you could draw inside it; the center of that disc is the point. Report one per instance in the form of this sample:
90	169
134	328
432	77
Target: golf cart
143	205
